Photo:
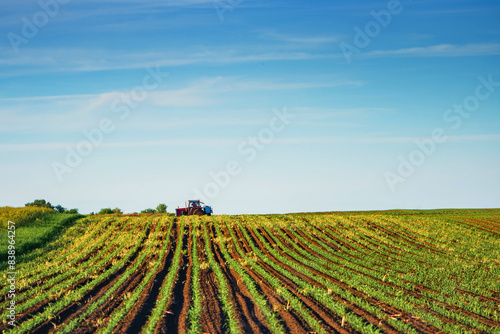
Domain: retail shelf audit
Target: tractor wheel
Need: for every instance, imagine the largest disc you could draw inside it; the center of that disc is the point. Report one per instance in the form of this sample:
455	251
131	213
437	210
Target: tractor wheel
198	212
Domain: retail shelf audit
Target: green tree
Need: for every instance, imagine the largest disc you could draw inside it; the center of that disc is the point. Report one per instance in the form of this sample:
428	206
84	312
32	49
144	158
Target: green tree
161	208
148	211
41	203
117	211
72	211
60	209
106	211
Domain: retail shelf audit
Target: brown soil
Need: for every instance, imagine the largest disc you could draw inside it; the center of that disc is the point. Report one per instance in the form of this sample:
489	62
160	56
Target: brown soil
212	316
185	300
138	315
290	320
250	317
172	315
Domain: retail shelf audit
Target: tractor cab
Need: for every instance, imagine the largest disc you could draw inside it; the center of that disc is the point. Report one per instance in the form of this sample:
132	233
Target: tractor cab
194	204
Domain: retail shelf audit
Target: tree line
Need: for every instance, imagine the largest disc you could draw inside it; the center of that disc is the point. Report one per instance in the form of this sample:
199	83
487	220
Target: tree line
41	203
161	208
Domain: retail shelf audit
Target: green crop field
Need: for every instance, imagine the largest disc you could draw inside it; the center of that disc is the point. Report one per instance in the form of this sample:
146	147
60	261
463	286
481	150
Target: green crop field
434	271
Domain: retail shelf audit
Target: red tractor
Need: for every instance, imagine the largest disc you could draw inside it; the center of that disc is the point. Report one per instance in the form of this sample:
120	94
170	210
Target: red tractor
193	207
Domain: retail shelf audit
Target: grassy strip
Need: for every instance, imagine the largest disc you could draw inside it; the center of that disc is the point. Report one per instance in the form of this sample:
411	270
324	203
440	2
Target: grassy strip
37	233
58	251
224	291
271	315
167	286
48	251
21	216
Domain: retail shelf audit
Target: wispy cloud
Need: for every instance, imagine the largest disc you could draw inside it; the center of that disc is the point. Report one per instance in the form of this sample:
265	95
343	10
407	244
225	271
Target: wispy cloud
319	113
63	113
131	144
301	39
441	50
46	98
454	11
172	3
38	61
381	140
244	85
205	85
235	141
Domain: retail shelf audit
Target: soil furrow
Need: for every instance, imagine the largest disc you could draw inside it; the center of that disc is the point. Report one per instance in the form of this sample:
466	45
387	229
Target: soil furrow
138	316
291	321
185	301
250	317
170	320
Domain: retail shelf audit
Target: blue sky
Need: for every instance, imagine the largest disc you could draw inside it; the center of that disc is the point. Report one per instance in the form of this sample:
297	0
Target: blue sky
254	106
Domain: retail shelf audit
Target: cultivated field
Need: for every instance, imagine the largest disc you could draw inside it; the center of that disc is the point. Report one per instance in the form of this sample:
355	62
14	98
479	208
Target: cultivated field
396	271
